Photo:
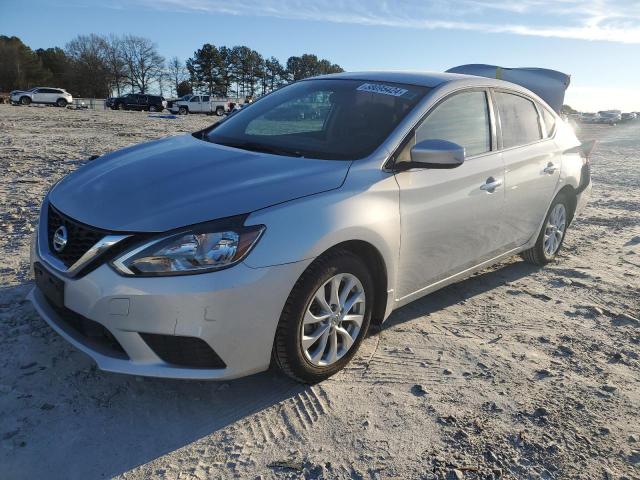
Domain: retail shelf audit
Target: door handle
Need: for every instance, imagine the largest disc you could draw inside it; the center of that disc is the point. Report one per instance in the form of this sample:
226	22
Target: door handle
490	185
550	168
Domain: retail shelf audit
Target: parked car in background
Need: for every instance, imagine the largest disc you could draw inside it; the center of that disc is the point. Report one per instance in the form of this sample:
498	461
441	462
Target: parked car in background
200	104
42	95
609	117
588	117
629	116
137	101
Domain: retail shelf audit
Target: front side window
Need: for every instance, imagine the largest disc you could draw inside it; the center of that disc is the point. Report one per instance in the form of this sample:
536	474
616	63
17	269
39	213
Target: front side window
518	120
462	119
326	118
195	99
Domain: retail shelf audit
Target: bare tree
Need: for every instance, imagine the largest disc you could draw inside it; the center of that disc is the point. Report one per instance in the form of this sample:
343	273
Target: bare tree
116	64
90	71
144	63
177	73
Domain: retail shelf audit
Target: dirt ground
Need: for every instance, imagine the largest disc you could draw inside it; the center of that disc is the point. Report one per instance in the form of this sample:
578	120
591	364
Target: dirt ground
517	372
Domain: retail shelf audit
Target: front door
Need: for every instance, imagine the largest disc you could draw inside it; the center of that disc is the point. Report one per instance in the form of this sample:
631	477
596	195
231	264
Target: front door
450	219
194	104
40	96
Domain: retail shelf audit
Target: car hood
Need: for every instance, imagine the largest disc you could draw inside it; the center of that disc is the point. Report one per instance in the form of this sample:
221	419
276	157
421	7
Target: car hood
179	181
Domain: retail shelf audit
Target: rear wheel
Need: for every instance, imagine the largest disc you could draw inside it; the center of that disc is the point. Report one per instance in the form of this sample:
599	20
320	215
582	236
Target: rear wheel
25	100
325	318
552	233
61	103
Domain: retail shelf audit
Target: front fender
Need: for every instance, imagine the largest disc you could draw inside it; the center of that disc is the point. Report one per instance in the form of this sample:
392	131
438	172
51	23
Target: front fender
305	228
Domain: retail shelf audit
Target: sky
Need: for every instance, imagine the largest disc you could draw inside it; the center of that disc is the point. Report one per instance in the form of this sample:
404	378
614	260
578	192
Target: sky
597	42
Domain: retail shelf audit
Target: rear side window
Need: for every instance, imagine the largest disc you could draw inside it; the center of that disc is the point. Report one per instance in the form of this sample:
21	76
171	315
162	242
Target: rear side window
518	119
549	121
462	119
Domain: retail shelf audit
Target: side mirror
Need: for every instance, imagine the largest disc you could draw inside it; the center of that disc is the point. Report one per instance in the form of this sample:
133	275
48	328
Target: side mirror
434	154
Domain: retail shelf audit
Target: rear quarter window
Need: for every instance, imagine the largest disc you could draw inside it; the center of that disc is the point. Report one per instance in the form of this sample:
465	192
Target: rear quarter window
518	120
549	121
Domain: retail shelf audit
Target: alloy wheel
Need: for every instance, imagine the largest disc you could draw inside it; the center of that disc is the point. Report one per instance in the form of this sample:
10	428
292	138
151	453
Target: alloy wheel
332	320
554	230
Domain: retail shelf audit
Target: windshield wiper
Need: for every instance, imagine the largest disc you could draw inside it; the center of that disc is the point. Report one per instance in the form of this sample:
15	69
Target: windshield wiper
259	147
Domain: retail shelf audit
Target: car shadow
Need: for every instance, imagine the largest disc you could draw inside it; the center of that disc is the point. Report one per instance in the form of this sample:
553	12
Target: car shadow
481	282
60	417
63	418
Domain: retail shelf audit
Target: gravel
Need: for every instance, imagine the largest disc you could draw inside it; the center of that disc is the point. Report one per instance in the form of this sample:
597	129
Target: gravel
512	373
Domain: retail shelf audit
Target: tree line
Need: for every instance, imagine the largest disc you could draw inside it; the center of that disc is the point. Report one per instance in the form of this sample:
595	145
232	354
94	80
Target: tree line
98	66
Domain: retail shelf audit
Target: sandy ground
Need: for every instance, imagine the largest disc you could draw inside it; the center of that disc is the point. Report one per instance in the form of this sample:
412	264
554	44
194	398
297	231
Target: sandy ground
517	372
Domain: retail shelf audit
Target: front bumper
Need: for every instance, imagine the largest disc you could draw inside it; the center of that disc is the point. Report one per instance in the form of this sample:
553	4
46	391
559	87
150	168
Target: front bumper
235	311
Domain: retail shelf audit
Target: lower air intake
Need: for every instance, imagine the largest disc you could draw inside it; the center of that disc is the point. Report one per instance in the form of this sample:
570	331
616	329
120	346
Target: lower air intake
188	352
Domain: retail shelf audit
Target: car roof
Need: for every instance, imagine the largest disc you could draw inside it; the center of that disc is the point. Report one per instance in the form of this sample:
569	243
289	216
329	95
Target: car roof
424	79
434	79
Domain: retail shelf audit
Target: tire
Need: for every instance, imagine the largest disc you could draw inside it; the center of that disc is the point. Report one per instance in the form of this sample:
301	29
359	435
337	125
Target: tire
25	100
153	108
288	351
183	111
61	102
121	106
220	111
541	253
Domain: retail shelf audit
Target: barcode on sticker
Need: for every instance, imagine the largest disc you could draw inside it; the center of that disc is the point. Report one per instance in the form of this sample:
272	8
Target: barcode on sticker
383	89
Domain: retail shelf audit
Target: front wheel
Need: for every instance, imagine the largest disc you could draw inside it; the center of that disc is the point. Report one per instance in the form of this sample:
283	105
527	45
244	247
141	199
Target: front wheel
552	233
220	111
25	100
121	106
325	318
153	108
183	111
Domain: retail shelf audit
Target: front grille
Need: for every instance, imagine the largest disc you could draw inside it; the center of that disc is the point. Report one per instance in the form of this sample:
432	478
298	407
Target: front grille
92	334
187	352
80	237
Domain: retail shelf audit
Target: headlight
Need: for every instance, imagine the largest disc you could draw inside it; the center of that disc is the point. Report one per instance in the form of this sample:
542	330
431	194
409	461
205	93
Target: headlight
189	252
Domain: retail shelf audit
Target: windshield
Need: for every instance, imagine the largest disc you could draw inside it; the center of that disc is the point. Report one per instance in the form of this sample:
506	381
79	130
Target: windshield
327	119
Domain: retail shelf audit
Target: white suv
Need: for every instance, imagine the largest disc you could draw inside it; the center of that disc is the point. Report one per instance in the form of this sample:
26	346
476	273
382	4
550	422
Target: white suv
52	96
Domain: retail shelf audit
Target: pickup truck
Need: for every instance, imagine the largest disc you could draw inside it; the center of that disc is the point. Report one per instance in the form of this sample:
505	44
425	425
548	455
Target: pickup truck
199	104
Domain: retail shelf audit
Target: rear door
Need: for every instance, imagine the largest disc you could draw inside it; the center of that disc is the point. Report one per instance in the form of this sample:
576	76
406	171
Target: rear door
450	220
205	104
532	164
143	102
132	100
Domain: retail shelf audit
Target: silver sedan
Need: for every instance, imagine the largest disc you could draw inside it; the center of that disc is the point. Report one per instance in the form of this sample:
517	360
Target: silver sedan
282	232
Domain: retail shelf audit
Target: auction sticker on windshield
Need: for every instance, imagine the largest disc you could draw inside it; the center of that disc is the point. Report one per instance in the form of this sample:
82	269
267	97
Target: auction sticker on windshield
383	89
